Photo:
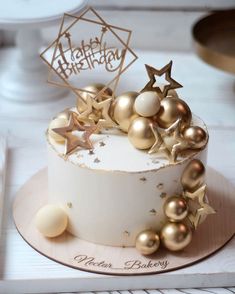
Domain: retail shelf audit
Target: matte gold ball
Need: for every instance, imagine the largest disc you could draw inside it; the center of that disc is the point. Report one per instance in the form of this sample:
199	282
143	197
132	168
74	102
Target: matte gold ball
196	136
95	88
172	109
176	236
193	175
57	123
140	133
123	110
176	208
51	221
147	242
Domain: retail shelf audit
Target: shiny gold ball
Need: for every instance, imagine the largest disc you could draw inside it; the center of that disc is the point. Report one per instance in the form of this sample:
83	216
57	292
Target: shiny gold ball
123	109
57	123
95	88
147	242
193	175
176	208
140	133
176	236
64	114
172	109
196	136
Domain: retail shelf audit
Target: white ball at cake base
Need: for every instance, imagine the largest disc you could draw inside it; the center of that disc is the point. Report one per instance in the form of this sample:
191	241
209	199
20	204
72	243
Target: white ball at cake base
51	221
147	104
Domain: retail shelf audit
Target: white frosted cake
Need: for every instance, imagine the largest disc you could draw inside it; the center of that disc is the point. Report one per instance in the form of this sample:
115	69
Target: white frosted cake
127	170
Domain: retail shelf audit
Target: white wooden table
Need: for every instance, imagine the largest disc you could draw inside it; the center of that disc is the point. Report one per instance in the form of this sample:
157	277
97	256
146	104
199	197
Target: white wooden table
210	94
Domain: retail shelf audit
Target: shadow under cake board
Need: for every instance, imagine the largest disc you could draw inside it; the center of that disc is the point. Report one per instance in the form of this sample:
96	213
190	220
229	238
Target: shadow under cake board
68	250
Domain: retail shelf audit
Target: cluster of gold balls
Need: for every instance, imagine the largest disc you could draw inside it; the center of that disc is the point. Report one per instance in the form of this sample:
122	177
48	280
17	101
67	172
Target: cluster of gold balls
176	234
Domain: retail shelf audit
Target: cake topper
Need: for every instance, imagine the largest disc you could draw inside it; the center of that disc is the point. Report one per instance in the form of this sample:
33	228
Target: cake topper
76	54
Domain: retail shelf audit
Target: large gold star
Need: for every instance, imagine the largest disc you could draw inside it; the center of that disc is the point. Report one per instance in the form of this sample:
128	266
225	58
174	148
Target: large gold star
105	121
160	144
150	86
204	209
72	142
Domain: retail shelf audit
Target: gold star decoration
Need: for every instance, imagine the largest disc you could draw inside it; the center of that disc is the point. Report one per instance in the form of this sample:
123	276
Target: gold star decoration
159	144
204	209
72	142
152	72
103	106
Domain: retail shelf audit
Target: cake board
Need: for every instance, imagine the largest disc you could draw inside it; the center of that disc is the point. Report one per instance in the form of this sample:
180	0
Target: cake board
68	250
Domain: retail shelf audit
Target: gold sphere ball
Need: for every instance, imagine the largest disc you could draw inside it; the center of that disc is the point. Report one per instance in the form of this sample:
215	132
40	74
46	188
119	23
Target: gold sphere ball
58	122
123	109
172	109
176	236
95	88
65	114
147	242
140	133
196	136
176	208
193	175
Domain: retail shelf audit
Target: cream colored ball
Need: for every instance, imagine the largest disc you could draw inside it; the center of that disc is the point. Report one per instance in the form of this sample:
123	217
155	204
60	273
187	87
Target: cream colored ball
147	104
57	123
51	221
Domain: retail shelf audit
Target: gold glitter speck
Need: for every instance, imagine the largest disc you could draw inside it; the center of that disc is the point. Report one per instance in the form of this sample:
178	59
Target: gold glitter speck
91	152
160	186
96	160
143	179
153	212
69	204
126	233
102	144
163	195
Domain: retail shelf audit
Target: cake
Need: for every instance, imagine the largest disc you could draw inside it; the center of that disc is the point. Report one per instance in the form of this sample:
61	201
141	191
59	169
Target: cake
127	169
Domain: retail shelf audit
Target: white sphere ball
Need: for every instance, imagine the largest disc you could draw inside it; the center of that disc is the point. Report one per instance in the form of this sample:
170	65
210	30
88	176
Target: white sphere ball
147	104
51	220
57	123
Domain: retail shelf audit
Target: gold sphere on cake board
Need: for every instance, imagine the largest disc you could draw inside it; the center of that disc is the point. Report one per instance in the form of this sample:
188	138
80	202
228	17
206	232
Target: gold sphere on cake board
171	110
176	208
122	110
147	242
95	89
140	133
57	122
176	236
193	175
195	136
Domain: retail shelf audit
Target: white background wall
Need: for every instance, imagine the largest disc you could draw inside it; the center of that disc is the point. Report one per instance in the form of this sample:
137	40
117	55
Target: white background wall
156	24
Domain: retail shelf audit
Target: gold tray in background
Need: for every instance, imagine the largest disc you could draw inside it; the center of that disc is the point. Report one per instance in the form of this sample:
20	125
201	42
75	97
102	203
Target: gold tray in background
214	37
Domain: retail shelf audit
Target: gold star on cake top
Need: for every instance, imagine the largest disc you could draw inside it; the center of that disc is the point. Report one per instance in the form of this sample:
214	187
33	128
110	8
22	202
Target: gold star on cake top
72	142
105	121
152	72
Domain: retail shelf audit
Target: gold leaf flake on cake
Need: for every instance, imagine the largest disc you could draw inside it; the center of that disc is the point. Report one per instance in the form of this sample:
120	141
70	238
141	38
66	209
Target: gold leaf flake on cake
163	195
126	234
96	160
160	186
102	144
69	204
153	212
143	179
91	152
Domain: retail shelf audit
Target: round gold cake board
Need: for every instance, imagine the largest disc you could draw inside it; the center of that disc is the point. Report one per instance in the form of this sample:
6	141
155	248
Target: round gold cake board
68	250
214	37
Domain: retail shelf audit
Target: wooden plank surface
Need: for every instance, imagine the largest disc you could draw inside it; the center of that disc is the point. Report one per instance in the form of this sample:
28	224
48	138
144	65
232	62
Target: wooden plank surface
210	94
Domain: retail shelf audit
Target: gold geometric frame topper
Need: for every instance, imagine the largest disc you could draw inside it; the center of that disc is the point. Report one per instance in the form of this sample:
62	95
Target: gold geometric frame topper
70	60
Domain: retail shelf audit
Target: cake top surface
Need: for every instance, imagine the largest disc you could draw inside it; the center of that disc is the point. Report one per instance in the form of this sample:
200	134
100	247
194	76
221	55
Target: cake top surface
112	151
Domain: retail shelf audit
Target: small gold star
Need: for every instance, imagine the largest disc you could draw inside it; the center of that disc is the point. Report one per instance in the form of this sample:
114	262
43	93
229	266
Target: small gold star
159	144
163	195
102	144
172	84
96	160
143	179
72	142
204	209
153	212
105	121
